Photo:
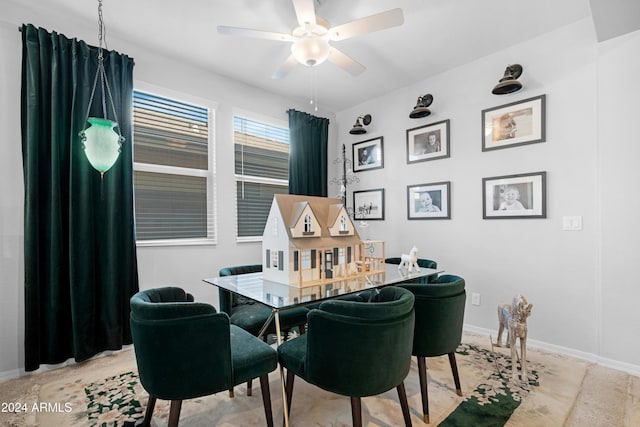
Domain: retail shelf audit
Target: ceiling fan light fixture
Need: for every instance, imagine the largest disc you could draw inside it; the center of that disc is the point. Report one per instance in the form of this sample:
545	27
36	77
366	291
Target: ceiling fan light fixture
310	51
509	83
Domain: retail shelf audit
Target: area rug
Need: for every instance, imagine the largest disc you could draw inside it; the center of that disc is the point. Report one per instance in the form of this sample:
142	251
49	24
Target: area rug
108	393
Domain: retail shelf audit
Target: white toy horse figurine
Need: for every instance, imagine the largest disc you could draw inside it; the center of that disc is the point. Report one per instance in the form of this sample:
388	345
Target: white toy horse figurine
513	317
410	260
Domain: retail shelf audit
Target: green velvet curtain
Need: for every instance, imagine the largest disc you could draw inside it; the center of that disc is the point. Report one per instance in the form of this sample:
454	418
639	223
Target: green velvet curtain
308	136
79	240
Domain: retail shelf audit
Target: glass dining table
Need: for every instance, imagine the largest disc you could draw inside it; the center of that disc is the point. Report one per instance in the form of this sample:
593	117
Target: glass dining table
281	297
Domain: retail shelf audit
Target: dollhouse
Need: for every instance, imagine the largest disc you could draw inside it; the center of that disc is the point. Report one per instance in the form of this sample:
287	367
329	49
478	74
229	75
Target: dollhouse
309	240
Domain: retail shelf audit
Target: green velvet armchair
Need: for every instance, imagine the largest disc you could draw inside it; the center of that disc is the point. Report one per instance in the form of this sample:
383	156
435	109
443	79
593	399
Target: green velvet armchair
355	349
186	349
250	315
422	263
439	310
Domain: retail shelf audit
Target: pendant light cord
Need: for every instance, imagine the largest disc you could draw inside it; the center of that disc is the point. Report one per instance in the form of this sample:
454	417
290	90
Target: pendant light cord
102	30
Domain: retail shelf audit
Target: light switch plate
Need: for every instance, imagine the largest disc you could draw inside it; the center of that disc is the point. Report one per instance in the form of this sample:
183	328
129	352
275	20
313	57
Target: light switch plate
572	223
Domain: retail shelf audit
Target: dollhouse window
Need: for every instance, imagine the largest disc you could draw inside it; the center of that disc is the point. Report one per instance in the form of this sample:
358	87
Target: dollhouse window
307	224
306	260
343	223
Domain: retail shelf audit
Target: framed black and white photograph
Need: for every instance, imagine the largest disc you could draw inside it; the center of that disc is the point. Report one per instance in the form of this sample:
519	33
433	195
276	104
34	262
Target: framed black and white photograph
517	123
429	142
515	196
368	155
368	204
429	201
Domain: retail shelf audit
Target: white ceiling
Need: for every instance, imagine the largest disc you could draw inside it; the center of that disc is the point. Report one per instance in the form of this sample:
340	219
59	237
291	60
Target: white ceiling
437	35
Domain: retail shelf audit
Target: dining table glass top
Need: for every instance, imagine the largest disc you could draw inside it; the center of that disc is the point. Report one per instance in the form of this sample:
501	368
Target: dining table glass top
281	296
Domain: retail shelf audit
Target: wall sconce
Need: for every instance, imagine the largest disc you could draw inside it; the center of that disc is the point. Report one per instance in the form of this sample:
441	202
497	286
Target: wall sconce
508	83
421	110
101	141
358	128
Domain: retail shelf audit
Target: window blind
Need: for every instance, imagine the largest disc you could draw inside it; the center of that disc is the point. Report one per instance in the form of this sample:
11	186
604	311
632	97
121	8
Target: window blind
262	170
171	169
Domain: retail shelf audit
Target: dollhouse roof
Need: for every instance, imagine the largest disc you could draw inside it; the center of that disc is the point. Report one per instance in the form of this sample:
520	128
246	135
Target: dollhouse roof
326	211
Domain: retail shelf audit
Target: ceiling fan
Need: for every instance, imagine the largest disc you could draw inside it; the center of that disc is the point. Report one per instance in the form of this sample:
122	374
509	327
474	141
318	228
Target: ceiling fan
311	36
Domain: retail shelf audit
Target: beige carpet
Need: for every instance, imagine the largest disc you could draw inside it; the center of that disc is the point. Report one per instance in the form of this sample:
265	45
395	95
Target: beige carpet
571	392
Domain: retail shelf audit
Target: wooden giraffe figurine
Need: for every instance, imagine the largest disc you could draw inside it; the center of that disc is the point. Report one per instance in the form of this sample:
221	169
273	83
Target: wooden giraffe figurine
513	317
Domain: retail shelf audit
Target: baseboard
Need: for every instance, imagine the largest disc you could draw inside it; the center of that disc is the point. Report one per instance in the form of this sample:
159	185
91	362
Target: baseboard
582	355
17	373
11	375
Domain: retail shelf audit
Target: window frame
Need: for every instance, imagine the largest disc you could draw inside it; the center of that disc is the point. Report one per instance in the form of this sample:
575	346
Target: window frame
209	174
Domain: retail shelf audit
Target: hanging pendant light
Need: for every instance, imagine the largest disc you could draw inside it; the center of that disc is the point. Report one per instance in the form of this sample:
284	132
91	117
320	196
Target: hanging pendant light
101	140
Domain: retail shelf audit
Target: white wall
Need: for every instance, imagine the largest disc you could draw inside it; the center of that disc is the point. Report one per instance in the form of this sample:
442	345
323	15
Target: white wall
185	266
581	293
11	206
619	204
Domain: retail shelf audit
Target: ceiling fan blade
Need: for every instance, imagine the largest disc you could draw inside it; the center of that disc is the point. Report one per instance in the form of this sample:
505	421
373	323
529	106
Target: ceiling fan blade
305	12
345	62
259	34
369	24
284	69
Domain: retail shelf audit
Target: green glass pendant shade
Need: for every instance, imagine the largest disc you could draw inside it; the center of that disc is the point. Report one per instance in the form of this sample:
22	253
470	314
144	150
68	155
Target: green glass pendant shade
101	143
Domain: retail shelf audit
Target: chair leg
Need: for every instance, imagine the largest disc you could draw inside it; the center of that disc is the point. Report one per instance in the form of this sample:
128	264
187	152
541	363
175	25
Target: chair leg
356	411
266	399
302	329
151	404
249	391
454	370
422	372
174	413
404	404
288	388
231	393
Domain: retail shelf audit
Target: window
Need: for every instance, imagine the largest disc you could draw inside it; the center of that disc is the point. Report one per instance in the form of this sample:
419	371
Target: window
343	223
173	178
261	171
307	224
306	260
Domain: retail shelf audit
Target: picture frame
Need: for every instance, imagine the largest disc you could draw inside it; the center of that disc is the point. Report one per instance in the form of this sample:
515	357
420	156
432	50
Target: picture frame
368	204
515	196
368	155
429	201
514	124
428	142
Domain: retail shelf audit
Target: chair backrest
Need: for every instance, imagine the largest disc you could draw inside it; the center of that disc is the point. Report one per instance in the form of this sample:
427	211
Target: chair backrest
226	299
358	348
182	347
439	315
422	263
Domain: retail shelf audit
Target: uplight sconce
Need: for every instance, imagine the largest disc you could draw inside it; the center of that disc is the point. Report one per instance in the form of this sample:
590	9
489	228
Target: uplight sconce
358	128
421	110
101	141
509	83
